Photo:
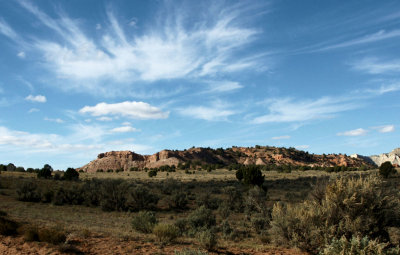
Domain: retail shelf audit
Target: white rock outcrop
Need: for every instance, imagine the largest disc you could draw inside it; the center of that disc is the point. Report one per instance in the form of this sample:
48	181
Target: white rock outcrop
393	157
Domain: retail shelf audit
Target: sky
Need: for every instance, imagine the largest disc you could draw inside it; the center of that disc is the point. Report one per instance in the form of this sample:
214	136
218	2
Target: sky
78	78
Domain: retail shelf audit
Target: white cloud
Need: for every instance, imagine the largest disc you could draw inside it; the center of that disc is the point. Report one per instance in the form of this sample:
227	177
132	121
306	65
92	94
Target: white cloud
302	147
216	112
224	86
133	22
21	54
37	99
168	50
126	123
104	118
385	129
6	30
33	110
124	129
38	142
26	142
130	109
57	120
378	36
288	110
354	132
281	137
375	66
383	89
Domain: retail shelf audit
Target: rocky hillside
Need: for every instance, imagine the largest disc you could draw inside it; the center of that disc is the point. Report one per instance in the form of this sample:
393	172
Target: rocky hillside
259	155
393	157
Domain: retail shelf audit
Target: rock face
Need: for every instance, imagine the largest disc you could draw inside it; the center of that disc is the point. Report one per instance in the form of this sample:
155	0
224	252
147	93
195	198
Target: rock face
259	155
393	157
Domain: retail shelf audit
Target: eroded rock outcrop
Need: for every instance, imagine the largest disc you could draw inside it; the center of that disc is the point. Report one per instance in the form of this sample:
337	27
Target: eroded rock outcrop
259	155
393	157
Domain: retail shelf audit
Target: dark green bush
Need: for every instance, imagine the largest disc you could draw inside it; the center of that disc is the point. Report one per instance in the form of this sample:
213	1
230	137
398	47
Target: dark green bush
140	198
113	195
200	219
387	169
28	192
178	200
52	235
8	227
208	201
71	174
71	195
45	172
152	173
144	221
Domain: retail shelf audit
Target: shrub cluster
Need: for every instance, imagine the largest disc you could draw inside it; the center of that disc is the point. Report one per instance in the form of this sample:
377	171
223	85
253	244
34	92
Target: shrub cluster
349	207
110	195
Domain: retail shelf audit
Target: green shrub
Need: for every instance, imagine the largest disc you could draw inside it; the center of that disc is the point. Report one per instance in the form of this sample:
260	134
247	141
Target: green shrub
200	219
71	195
208	201
71	174
256	201
30	233
140	198
387	169
166	233
207	239
144	222
45	172
358	246
28	192
152	173
8	227
349	207
113	195
52	235
190	252
178	200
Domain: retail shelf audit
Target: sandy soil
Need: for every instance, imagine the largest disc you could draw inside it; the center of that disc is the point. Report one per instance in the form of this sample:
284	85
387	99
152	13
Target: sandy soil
107	245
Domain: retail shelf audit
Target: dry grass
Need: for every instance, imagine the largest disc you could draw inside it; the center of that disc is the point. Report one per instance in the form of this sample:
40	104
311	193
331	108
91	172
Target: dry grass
84	220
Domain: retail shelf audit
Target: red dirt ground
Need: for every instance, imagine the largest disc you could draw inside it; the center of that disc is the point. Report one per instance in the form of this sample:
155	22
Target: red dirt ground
108	245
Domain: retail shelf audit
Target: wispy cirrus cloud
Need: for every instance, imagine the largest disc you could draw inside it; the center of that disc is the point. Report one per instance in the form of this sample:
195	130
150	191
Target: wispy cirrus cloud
217	111
376	66
289	110
223	86
56	120
171	49
6	30
370	38
130	109
354	132
280	137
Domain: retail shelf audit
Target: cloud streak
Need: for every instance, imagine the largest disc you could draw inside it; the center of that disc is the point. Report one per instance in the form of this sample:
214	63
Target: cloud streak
289	110
354	132
130	109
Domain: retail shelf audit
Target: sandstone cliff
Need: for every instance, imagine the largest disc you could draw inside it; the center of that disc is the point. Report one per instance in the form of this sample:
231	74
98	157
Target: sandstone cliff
393	157
259	155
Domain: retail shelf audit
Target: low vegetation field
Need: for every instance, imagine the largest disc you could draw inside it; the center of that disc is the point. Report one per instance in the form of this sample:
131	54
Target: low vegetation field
199	212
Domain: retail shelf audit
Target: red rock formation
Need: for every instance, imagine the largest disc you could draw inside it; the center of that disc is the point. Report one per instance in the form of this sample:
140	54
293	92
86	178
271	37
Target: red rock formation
261	155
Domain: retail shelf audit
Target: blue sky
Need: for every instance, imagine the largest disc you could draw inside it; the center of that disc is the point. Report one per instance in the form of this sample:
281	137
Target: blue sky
82	77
